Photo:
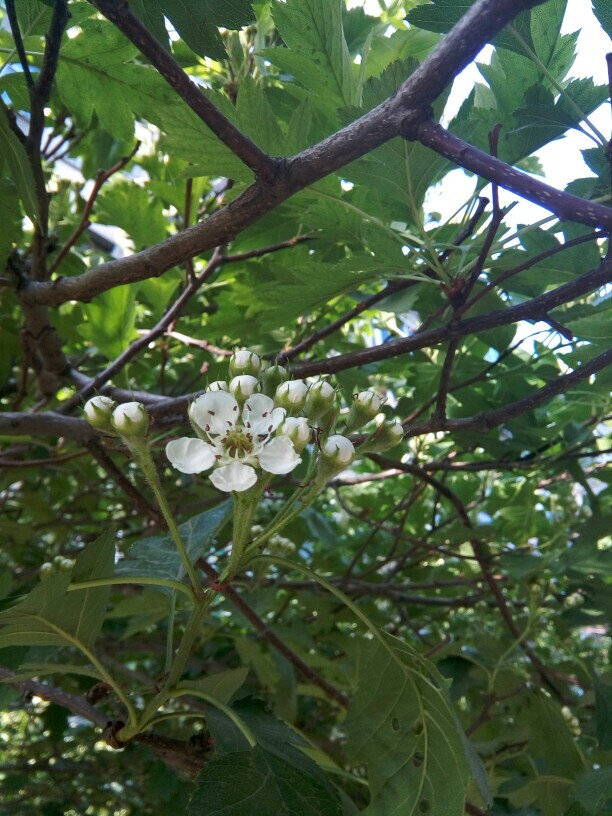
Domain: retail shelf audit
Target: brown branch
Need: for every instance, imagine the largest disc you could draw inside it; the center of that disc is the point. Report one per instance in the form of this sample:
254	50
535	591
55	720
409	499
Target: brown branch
393	117
483	556
443	387
273	639
157	331
497	416
101	178
54	424
180	755
247	151
531	309
19	47
111	469
563	205
391	288
41	90
531	262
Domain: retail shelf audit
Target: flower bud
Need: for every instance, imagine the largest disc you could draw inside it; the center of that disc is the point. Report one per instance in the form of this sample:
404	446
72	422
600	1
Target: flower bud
130	419
296	428
46	570
271	378
244	361
218	385
243	386
366	405
386	436
566	712
337	454
291	395
57	561
66	564
98	412
321	397
280	545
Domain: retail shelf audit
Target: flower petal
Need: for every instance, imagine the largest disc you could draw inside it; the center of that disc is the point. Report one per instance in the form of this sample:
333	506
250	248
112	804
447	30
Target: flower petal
279	456
214	412
260	415
236	477
190	455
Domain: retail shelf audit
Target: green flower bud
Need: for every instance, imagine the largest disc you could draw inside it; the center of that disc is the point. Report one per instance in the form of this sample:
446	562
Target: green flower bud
272	377
57	561
320	398
98	411
218	385
366	405
291	395
66	564
46	570
244	361
386	436
243	386
130	419
297	430
337	453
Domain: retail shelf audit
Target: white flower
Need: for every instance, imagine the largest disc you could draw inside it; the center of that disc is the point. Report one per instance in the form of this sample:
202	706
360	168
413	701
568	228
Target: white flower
130	419
340	449
234	442
190	455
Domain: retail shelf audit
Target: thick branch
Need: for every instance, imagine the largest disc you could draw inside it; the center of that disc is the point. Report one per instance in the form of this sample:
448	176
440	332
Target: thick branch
393	117
246	150
563	205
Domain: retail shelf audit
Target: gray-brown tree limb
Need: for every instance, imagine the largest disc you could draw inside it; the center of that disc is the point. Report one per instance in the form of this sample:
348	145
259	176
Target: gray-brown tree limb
398	115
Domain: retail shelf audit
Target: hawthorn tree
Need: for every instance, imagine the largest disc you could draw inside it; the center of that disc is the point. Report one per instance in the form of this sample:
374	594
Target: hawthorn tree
317	610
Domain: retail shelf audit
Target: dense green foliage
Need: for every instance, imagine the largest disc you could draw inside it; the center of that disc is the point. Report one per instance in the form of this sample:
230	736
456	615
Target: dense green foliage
454	592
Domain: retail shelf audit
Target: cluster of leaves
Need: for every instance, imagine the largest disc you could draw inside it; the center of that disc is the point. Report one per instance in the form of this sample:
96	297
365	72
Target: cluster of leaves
478	558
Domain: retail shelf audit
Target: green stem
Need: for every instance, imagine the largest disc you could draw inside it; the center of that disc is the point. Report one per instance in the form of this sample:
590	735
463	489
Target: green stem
245	505
308	495
170	635
101	669
143	456
133	579
557	85
184	650
229	712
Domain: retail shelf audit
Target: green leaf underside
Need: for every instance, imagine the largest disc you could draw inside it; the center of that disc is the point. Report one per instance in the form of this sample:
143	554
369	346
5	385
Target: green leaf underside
157	556
51	616
222	685
14	161
258	783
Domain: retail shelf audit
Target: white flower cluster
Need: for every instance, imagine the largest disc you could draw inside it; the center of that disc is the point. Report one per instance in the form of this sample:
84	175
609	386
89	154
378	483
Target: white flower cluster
243	434
257	423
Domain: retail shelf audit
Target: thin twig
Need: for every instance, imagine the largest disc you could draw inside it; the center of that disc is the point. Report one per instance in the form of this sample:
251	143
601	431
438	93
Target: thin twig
265	631
101	179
